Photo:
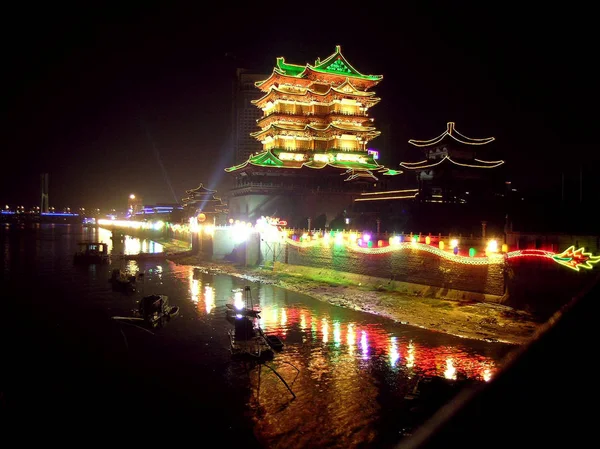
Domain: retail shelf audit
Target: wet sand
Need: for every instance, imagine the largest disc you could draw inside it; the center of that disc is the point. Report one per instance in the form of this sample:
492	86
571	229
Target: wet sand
468	319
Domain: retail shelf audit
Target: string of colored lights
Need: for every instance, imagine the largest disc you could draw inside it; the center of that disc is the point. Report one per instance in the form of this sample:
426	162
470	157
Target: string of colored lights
485	139
576	258
387	198
307	91
489	162
412	165
529	253
491	260
571	258
450	130
389	191
494	259
300	129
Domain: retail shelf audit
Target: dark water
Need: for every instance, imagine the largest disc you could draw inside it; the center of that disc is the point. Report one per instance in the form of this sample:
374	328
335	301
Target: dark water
68	363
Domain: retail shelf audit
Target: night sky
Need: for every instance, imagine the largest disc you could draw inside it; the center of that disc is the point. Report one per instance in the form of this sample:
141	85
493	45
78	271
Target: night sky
98	97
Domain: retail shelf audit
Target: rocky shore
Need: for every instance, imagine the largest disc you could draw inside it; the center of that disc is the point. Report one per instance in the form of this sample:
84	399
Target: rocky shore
463	318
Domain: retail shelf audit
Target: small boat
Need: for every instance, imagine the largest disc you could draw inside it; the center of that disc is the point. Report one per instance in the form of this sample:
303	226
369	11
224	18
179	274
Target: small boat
247	342
122	282
274	342
155	309
91	253
153	312
247	338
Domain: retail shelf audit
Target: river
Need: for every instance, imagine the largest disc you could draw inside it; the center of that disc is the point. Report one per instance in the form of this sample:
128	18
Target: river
66	354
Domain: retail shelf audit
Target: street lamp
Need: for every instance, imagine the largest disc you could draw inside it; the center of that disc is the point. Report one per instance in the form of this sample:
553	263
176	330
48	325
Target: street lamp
132	197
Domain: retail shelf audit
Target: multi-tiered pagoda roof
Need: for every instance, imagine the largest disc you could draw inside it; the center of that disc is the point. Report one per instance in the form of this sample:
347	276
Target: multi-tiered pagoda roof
334	68
449	170
202	200
315	117
450	147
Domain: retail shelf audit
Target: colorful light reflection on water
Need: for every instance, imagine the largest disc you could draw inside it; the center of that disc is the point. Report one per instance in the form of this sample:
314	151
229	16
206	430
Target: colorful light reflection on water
375	341
126	244
356	369
347	361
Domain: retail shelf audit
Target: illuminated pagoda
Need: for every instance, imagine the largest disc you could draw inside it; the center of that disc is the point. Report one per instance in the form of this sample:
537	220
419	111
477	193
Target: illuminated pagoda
314	131
451	171
203	201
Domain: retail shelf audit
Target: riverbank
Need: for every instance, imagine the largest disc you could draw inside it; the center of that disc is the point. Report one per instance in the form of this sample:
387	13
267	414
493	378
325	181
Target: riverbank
466	318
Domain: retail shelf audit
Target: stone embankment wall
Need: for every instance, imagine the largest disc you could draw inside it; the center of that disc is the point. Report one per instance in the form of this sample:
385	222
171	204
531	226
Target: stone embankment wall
536	284
406	265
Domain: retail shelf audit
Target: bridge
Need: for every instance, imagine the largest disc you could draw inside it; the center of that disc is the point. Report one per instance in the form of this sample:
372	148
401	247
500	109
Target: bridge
43	217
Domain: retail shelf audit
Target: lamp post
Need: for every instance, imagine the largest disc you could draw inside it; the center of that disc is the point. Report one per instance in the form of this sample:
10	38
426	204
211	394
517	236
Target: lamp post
131	205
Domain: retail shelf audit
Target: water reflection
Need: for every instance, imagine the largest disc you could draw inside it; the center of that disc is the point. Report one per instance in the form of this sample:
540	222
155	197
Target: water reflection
393	351
410	358
132	266
101	235
375	341
133	245
364	345
351	338
209	298
487	374
204	299
127	245
450	372
354	368
194	288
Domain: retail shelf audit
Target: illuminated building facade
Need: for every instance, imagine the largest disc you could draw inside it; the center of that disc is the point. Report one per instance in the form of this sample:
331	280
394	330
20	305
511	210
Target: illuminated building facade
452	171
245	115
314	130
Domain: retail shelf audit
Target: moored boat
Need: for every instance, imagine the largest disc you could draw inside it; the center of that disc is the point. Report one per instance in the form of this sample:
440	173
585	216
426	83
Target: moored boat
122	282
155	309
91	253
274	341
247	342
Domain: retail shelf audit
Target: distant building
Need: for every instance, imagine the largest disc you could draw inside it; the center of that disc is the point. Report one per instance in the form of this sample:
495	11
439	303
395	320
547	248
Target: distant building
45	199
245	114
160	211
203	202
454	168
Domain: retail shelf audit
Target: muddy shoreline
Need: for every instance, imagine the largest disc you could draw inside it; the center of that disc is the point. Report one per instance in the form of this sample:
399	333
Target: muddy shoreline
467	319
